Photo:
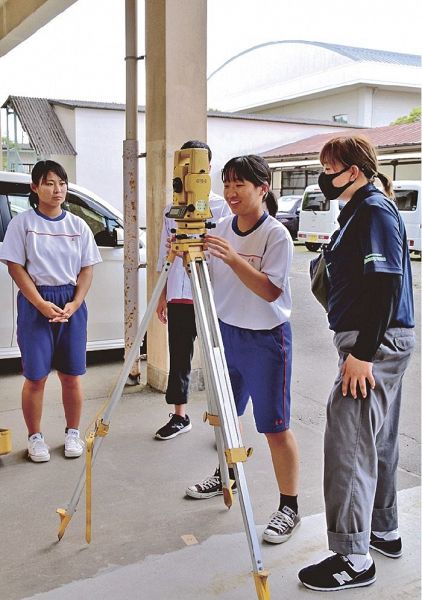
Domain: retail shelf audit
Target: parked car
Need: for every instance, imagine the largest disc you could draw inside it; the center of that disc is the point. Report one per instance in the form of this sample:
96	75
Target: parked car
318	218
105	299
408	200
288	213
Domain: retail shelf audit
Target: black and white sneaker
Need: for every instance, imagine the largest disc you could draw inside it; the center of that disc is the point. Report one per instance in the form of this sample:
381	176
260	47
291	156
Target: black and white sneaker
211	486
390	548
175	426
335	573
281	526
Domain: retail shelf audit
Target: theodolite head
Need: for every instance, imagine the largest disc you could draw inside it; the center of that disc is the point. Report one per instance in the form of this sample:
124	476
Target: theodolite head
191	186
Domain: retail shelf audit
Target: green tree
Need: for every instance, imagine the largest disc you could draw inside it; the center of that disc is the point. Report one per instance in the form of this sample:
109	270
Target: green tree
412	117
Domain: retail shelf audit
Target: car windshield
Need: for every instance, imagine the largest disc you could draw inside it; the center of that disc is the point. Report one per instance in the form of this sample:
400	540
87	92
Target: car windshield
406	200
287	203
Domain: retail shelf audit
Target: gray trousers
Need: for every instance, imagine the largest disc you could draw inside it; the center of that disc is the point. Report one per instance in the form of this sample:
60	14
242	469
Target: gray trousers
361	447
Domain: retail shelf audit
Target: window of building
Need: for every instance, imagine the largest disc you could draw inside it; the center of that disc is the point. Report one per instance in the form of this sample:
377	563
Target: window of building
341	118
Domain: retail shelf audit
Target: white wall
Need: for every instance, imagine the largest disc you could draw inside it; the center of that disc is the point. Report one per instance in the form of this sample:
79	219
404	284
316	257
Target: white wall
99	136
322	108
229	137
98	139
366	106
388	106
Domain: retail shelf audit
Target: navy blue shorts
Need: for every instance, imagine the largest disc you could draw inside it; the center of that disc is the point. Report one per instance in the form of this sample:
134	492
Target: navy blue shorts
45	346
260	367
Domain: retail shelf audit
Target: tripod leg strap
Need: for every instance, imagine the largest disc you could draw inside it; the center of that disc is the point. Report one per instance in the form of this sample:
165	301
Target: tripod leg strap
88	485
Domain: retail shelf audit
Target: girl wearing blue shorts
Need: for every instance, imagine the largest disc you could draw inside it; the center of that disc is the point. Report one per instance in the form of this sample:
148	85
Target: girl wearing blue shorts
249	260
50	255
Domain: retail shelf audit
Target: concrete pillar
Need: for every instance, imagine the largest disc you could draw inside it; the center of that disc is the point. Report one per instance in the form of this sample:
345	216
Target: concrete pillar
175	36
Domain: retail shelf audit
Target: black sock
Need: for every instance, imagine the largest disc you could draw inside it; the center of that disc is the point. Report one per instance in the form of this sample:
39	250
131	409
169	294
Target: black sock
231	472
290	501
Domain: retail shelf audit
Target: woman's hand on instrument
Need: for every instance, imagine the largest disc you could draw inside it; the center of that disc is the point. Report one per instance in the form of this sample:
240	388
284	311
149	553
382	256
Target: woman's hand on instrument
220	248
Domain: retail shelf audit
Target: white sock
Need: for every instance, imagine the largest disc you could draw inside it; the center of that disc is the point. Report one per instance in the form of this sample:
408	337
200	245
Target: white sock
360	562
388	535
73	431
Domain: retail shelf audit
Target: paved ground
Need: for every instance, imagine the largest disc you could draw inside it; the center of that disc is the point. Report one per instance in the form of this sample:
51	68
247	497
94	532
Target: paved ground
139	510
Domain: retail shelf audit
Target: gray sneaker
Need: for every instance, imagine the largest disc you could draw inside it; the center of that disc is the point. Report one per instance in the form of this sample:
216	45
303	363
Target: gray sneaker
281	526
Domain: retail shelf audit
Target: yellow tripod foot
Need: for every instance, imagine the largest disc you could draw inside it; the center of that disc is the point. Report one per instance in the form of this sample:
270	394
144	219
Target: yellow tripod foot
261	584
64	521
228	494
228	497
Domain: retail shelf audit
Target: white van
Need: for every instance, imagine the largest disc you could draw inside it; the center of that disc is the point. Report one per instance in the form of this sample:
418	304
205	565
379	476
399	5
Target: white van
317	218
105	299
408	200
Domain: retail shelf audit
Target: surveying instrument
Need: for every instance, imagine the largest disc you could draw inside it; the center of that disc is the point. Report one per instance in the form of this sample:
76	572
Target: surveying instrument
190	210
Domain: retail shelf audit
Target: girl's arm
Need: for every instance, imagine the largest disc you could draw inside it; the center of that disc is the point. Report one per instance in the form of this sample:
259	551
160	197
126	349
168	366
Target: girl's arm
29	290
256	281
83	283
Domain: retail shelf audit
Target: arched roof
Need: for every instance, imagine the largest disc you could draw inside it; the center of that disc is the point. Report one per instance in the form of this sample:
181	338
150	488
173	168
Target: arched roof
352	52
282	71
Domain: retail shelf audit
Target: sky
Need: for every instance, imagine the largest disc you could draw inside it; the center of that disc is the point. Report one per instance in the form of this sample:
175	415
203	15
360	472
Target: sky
80	54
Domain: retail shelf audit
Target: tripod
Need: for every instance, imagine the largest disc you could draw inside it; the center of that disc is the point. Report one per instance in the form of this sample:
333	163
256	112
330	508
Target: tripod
221	412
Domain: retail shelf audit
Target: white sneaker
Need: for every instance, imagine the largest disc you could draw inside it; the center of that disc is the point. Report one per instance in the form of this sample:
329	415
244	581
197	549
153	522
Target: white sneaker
73	445
38	451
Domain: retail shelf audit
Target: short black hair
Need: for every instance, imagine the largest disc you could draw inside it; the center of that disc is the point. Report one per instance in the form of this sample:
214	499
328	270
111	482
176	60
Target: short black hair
39	173
197	144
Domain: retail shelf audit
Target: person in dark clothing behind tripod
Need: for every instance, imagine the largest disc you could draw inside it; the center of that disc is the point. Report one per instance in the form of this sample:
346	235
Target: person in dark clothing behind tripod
370	309
175	308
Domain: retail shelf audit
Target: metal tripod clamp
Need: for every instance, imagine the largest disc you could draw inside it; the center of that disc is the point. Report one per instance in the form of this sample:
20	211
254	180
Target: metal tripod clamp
235	455
213	420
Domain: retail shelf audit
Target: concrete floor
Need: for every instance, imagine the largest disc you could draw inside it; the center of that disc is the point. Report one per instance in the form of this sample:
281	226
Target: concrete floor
140	515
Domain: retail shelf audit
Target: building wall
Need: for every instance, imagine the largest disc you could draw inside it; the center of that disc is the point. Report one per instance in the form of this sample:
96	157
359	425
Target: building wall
365	106
97	136
229	137
388	106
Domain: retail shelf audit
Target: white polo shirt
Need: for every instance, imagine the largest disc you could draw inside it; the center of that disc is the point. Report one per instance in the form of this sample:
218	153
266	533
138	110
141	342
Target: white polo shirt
53	251
178	283
268	247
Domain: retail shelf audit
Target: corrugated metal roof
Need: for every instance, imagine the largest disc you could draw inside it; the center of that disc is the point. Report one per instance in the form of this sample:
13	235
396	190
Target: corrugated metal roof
390	136
356	54
211	113
42	125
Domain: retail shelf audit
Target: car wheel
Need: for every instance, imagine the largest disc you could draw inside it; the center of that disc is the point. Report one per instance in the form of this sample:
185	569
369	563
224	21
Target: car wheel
312	247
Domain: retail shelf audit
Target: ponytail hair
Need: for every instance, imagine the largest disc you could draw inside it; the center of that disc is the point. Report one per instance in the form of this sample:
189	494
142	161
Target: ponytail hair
271	203
387	184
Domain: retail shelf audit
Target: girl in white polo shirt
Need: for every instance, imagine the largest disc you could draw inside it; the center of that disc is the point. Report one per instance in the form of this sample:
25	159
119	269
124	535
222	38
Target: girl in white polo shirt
250	259
50	255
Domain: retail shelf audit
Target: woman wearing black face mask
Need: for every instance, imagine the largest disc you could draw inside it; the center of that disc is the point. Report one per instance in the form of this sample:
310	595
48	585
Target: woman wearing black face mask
370	309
